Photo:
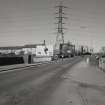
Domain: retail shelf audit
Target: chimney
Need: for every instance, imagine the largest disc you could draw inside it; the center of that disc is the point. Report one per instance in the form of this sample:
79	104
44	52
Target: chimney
44	42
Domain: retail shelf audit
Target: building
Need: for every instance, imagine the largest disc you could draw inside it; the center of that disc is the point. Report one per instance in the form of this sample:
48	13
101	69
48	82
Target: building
35	52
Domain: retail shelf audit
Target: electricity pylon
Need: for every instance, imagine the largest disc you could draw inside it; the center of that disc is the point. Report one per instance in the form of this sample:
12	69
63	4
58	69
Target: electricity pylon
60	29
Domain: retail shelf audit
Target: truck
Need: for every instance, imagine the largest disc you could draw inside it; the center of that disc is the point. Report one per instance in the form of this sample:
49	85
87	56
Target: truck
66	50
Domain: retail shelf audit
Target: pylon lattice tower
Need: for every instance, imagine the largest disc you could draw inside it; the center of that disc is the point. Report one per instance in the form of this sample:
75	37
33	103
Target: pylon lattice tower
60	23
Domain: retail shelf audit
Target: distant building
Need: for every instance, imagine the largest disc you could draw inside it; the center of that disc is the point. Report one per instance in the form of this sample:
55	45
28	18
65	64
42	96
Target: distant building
11	49
33	49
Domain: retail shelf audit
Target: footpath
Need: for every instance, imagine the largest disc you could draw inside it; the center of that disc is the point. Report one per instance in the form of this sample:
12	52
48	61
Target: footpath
19	66
86	84
88	73
83	84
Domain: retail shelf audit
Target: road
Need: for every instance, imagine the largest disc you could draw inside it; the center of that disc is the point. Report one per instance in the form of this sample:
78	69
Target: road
69	82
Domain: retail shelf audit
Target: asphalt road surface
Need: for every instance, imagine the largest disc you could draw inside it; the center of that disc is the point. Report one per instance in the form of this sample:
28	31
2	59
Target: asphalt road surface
69	82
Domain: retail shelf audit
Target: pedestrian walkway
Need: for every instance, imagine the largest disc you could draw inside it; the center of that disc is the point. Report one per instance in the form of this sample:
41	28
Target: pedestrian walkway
15	66
84	84
87	73
19	66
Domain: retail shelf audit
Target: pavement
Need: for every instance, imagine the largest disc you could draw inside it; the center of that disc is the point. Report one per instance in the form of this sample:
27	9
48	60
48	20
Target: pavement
15	67
87	73
84	85
70	82
33	85
20	66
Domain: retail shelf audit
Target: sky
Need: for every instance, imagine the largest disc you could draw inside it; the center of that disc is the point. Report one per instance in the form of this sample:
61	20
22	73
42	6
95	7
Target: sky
32	21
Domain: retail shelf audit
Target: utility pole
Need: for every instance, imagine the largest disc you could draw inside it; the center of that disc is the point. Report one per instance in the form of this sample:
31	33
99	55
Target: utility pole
60	29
